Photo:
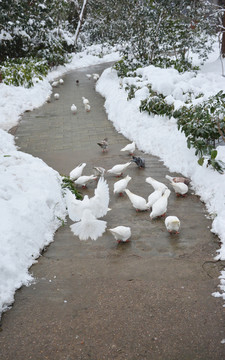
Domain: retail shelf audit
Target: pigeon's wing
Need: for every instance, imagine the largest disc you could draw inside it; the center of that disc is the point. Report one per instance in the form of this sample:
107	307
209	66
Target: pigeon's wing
88	226
99	203
75	207
127	147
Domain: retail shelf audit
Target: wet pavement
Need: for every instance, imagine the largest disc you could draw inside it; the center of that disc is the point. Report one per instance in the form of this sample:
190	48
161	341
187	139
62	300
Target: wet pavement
148	299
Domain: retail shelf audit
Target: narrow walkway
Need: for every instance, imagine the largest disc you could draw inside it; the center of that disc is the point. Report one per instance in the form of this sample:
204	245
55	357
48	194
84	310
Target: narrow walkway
149	299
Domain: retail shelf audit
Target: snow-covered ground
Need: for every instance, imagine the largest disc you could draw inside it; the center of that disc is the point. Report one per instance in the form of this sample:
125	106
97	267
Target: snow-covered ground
31	201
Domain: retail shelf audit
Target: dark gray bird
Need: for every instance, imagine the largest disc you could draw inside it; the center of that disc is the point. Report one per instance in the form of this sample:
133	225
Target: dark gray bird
77	82
104	144
140	162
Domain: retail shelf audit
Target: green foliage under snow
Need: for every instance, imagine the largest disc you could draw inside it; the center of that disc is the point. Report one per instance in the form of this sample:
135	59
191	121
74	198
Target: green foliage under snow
23	71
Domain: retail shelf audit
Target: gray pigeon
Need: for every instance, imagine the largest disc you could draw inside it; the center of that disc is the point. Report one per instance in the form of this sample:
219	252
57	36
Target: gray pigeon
140	162
104	144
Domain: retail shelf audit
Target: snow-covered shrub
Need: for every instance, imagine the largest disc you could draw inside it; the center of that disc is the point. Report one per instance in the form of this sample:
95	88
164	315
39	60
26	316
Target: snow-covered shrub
203	125
23	71
158	32
37	28
157	105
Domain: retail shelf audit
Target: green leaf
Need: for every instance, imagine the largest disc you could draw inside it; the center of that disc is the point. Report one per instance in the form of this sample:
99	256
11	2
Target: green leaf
201	161
213	154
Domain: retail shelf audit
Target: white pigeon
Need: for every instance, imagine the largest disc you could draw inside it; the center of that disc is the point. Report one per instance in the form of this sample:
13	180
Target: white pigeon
98	170
85	101
88	76
138	202
77	171
121	185
121	233
118	169
88	226
56	96
95	76
180	188
84	179
87	107
73	109
172	224
157	185
130	148
48	100
98	204
159	208
55	83
153	197
61	81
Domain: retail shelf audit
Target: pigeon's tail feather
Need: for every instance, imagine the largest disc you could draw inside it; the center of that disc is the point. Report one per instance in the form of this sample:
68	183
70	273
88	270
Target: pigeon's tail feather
88	226
169	178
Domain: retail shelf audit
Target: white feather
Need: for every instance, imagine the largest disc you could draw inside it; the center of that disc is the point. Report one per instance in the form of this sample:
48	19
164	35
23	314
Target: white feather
122	233
157	185
138	202
85	101
179	187
129	147
98	204
95	76
153	197
87	107
118	169
73	206
73	109
55	83
120	186
159	208
77	171
84	179
88	226
172	224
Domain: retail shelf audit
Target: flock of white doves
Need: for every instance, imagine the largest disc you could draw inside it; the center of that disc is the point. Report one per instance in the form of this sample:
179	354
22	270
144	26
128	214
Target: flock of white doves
86	213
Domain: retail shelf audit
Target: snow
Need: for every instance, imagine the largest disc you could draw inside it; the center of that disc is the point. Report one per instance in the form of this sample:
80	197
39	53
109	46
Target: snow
32	205
31	201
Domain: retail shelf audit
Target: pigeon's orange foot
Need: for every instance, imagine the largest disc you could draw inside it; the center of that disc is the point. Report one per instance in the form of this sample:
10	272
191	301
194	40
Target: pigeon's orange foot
120	194
84	187
163	215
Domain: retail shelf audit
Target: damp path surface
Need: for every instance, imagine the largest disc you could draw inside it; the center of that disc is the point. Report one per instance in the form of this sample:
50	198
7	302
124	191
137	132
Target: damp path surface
148	299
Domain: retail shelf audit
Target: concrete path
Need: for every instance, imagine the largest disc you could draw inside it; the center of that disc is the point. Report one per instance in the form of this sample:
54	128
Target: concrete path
149	299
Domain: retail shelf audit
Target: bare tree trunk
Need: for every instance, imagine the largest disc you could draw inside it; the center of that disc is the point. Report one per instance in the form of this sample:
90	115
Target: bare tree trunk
80	21
223	38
